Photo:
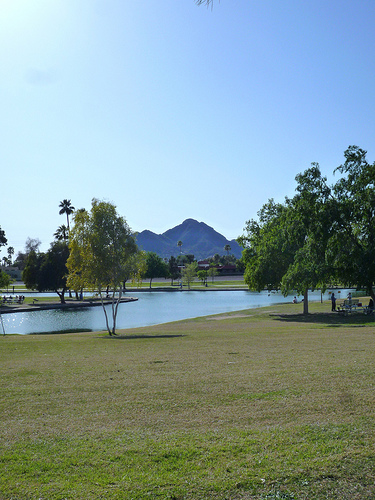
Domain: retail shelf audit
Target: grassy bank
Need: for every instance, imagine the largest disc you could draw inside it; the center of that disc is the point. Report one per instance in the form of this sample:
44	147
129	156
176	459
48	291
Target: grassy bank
261	404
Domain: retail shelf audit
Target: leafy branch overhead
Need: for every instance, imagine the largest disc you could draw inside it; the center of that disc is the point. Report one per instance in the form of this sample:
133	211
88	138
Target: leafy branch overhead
204	2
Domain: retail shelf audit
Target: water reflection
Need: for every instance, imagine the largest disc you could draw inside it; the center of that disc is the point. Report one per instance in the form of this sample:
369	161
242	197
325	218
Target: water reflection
151	308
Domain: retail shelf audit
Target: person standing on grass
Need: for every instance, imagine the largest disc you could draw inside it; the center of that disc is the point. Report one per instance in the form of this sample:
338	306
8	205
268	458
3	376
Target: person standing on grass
333	300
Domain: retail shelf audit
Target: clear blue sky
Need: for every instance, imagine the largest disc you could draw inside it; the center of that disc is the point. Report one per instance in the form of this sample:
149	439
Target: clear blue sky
174	111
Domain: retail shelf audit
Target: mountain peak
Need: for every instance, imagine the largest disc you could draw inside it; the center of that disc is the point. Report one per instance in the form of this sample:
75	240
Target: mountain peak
197	238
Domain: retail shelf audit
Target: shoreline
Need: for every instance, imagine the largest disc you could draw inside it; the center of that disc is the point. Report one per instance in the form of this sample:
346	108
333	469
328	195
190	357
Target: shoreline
69	304
92	302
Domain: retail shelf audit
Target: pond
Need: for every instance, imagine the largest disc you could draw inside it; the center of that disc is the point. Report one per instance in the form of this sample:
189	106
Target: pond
151	308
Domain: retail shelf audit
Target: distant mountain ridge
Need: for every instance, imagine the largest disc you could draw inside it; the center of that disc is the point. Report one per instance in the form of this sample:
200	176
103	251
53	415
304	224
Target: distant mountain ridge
197	238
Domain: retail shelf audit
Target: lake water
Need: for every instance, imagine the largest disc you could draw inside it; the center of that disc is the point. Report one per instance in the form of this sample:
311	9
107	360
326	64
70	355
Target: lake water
151	308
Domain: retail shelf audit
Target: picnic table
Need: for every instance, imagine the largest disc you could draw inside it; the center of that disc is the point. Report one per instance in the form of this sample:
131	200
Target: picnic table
349	306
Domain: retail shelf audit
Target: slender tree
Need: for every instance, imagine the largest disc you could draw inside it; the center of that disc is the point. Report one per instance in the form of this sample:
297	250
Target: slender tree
202	276
189	273
212	271
100	243
179	244
173	269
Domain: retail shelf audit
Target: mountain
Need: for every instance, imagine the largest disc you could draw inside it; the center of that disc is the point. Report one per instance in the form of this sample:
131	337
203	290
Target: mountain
197	238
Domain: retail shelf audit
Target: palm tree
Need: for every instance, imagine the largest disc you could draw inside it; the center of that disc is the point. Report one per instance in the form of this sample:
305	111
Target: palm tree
227	248
61	233
179	244
66	208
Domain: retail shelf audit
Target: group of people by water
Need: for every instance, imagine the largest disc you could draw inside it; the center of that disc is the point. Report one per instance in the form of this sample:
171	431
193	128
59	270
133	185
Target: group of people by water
10	299
333	298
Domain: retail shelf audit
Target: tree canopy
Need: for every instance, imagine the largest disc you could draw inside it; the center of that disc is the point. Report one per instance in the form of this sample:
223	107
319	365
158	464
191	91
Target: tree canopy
155	267
324	233
47	271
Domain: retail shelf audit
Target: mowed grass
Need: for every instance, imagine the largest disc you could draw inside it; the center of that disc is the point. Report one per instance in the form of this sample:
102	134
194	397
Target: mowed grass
259	404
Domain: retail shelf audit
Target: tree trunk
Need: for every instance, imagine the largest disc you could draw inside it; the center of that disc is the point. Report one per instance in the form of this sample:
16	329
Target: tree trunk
105	312
306	302
61	296
115	304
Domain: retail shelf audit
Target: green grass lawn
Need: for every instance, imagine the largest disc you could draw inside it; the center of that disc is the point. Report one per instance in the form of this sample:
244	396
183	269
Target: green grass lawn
259	404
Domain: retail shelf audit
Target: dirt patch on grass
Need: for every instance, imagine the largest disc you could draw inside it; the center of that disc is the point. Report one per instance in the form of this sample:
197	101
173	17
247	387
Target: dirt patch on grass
228	316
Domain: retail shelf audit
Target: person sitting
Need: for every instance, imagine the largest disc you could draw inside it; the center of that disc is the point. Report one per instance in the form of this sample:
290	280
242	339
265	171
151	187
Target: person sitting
295	300
371	305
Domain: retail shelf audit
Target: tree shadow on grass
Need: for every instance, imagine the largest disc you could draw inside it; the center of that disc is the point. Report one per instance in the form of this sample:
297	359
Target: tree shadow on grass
132	337
329	319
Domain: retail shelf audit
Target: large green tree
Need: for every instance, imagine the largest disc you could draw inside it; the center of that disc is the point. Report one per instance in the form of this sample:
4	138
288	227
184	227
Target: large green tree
324	232
48	271
156	267
286	247
101	244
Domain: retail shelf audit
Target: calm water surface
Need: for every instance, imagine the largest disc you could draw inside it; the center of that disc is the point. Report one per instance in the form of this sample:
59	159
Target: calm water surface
151	308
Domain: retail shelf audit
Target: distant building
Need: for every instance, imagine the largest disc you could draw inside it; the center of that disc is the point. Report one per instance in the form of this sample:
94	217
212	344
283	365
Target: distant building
13	272
203	265
226	269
